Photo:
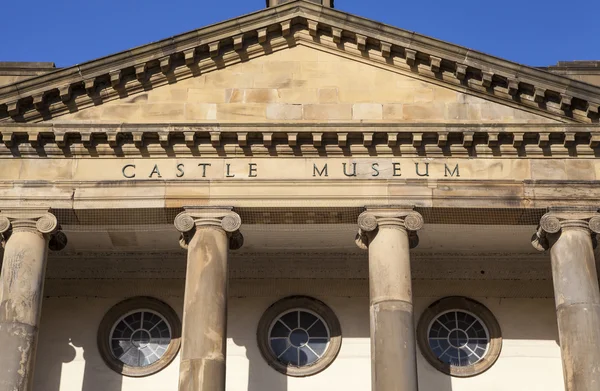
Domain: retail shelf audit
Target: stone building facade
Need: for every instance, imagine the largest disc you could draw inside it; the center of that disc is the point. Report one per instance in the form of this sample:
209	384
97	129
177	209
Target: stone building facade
299	199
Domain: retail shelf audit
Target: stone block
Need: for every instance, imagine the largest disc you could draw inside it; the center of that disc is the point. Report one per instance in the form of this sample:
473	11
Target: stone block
445	95
491	111
429	111
548	169
327	112
227	79
357	95
328	95
278	80
163	111
168	94
272	67
367	111
457	111
115	112
241	111
581	169
204	95
284	112
56	169
201	111
423	95
254	95
474	112
299	95
248	67
393	111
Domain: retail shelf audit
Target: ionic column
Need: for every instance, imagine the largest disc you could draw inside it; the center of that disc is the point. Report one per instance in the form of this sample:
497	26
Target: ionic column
25	234
570	236
207	233
389	234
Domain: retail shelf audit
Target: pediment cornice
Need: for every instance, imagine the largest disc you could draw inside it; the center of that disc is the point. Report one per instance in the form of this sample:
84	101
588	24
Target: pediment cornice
299	22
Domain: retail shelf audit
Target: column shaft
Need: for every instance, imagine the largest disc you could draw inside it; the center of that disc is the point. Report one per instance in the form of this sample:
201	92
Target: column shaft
207	233
205	313
577	307
385	232
393	352
21	292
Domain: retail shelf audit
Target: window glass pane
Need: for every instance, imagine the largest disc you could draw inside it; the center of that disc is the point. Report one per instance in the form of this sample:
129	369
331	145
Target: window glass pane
290	320
307	319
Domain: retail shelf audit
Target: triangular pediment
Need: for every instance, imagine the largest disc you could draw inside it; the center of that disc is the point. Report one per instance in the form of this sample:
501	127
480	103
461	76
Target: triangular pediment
303	83
300	61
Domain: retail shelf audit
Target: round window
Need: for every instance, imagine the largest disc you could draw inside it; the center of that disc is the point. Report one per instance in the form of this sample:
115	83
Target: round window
139	336
299	336
459	336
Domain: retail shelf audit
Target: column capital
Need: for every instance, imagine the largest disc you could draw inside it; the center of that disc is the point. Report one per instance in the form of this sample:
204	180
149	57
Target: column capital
396	217
37	220
560	219
222	218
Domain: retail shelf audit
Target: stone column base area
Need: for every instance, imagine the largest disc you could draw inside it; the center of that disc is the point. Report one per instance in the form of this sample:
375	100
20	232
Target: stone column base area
201	374
393	345
18	342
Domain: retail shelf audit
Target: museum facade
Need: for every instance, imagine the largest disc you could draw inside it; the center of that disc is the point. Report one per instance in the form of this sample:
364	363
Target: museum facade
299	199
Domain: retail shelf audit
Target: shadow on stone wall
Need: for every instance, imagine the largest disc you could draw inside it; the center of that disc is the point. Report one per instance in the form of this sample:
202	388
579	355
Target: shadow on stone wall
69	337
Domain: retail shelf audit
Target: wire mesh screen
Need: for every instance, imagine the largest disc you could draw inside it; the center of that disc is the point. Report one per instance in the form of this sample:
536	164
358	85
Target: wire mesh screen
160	219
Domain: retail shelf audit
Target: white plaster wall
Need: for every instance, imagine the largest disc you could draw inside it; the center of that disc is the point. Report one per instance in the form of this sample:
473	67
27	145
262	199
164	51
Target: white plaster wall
68	359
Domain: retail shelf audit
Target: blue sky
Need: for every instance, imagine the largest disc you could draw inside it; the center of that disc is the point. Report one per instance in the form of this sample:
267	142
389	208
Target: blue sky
531	32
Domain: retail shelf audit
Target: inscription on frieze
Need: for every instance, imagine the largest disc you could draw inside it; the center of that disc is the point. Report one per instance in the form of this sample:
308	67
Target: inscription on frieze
364	169
316	169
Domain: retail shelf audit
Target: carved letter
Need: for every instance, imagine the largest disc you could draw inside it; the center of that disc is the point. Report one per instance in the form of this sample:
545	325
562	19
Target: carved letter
455	171
353	170
155	171
316	170
426	169
397	169
229	175
125	168
204	165
180	167
375	166
252	170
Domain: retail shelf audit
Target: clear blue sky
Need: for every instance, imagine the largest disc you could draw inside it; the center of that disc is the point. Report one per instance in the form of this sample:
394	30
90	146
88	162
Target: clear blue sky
67	32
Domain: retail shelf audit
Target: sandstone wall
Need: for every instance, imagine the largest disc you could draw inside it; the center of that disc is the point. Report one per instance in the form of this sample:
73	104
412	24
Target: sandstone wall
68	359
302	84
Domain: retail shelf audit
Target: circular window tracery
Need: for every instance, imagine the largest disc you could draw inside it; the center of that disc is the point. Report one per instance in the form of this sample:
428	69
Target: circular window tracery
299	336
459	336
139	336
